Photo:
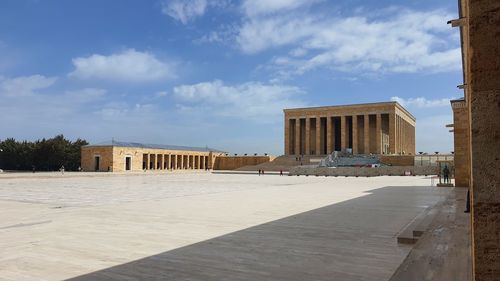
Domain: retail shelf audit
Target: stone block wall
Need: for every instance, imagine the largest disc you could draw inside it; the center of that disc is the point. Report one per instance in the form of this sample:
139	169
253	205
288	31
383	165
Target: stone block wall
235	162
398	160
105	154
461	141
481	51
364	172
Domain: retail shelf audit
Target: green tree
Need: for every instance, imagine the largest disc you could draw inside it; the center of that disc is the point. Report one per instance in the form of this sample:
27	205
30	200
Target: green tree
44	155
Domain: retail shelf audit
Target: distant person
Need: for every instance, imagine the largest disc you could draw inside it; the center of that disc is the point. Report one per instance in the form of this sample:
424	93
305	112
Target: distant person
62	169
259	172
446	174
281	172
79	169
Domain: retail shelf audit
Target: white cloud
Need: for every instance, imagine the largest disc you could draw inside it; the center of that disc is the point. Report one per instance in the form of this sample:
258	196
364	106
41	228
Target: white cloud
402	41
422	102
24	85
184	10
253	100
129	65
86	95
254	8
161	94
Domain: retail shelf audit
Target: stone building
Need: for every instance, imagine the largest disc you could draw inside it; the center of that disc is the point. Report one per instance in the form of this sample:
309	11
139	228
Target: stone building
118	156
479	23
461	142
377	128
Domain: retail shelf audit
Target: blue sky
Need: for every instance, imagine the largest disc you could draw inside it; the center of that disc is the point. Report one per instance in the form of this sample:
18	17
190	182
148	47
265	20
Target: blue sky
219	72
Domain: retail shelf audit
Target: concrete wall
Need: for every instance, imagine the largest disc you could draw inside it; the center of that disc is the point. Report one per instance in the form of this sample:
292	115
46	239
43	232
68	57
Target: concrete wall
398	160
364	172
235	162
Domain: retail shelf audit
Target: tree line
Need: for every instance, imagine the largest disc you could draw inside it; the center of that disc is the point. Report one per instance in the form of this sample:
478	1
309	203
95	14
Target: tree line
41	155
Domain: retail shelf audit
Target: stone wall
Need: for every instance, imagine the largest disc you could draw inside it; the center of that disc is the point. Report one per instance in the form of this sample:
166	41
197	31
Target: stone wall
379	128
235	162
461	142
113	159
105	154
398	160
482	79
364	172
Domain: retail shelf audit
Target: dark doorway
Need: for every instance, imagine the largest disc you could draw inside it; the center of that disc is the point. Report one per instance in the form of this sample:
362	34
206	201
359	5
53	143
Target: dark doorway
337	137
128	162
97	163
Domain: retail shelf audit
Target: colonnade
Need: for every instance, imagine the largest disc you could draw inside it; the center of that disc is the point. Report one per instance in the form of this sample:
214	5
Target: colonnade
379	133
175	162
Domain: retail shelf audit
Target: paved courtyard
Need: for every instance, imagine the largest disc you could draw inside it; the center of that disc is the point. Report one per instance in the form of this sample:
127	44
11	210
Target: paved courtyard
202	226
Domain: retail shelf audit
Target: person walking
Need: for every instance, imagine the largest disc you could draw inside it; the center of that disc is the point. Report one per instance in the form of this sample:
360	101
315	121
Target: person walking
259	172
62	169
281	172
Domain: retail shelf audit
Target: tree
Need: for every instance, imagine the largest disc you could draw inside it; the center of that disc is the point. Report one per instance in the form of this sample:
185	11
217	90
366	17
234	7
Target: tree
44	155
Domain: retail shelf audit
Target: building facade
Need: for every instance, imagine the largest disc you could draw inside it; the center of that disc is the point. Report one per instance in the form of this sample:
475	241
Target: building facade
374	128
461	140
479	24
118	156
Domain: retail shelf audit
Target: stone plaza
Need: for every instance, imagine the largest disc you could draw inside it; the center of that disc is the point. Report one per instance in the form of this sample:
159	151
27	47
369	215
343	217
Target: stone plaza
205	226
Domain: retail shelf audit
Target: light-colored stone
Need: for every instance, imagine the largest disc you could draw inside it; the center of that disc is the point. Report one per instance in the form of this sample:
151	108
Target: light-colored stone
54	227
380	128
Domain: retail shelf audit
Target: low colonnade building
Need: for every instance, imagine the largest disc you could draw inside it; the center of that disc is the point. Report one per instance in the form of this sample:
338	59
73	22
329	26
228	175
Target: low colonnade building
117	156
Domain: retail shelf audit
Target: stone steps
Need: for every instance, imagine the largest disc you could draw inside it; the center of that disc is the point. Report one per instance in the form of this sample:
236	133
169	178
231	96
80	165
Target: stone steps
416	228
282	163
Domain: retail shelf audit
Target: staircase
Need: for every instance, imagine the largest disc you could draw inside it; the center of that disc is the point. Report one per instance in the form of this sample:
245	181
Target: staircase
284	163
349	160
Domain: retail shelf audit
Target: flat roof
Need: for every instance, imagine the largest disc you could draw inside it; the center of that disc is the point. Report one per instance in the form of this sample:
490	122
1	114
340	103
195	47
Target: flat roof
395	103
153	146
457	100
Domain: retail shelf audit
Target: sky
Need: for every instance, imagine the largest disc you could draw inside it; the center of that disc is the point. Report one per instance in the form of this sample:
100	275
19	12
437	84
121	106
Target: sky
219	73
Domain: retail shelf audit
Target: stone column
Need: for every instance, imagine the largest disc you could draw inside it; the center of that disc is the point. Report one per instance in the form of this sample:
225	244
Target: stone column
343	133
378	133
405	136
392	133
367	134
401	135
355	134
182	161
198	164
297	136
169	162
318	135
308	136
147	161
329	135
287	136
